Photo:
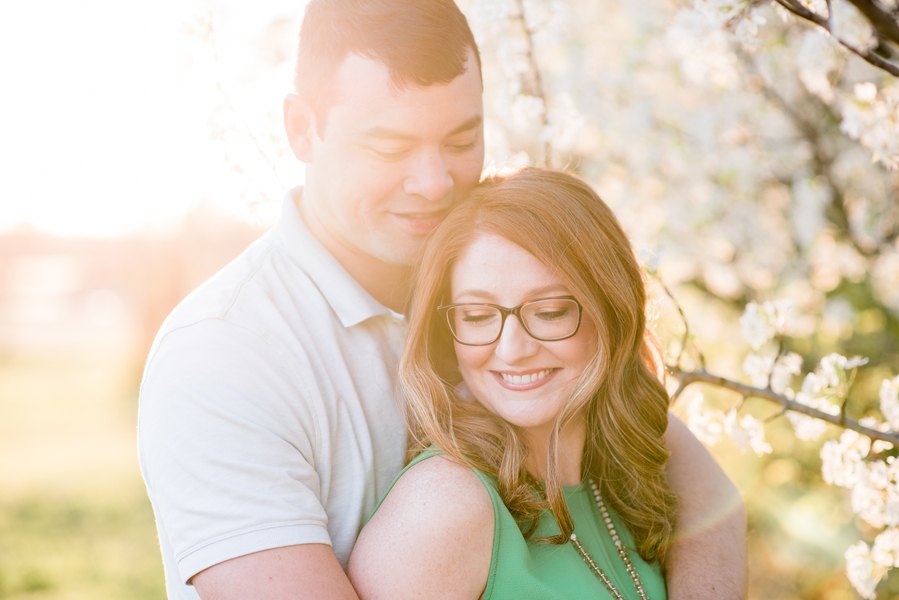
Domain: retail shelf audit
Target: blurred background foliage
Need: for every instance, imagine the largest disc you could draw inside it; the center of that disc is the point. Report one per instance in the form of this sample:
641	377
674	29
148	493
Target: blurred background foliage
723	163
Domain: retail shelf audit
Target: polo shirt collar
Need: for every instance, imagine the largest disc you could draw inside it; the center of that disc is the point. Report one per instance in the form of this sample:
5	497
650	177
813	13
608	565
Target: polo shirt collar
347	298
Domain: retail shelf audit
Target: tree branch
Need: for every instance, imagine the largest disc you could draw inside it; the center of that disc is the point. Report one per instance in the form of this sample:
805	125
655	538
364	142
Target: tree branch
813	17
686	378
882	21
538	91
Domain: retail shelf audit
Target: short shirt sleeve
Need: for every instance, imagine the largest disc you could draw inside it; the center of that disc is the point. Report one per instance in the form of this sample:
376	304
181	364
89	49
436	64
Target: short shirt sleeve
227	437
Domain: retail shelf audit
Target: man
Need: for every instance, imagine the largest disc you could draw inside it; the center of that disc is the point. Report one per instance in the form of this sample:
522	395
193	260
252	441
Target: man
268	423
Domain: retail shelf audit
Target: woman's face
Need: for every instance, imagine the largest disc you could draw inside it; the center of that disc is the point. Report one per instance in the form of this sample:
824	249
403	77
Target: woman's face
525	381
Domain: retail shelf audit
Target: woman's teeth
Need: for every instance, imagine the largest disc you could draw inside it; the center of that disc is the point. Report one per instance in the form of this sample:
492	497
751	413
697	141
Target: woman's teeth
525	379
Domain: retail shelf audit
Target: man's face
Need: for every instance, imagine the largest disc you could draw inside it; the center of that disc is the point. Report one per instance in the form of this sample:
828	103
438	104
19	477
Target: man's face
391	163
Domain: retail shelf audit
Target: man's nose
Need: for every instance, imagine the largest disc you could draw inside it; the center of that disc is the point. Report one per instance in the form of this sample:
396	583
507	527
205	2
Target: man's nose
430	178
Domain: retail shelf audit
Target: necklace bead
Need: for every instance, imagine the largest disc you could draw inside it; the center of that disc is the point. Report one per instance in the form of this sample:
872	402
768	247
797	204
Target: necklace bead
622	552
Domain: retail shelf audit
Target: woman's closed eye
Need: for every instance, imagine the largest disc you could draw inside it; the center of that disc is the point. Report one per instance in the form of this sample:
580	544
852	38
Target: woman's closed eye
553	314
478	316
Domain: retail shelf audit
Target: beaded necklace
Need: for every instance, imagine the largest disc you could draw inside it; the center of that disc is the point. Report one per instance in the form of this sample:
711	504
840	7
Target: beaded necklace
622	552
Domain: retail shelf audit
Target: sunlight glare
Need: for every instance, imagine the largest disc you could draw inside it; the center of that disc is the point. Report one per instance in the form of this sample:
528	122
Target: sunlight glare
108	113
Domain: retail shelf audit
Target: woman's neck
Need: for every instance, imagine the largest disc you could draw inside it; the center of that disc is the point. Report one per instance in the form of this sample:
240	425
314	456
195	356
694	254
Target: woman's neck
571	449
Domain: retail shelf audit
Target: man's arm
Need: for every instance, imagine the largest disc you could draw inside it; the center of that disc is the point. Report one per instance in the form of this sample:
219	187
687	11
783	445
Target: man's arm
289	573
708	557
226	457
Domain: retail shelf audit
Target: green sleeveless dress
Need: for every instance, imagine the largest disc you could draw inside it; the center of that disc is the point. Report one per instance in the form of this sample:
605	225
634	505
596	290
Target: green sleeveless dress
522	568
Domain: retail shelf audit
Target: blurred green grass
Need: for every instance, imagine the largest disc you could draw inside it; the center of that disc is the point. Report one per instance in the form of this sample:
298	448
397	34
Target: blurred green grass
75	523
84	545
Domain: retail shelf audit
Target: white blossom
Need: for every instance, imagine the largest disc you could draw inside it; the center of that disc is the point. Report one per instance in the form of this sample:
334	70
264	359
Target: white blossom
875	498
842	460
786	367
885	275
818	61
567	130
872	117
758	367
810	200
756	329
526	112
868	502
805	427
812	393
833	367
721	12
747	432
863	572
762	322
765	371
702	50
747	28
885	550
706	425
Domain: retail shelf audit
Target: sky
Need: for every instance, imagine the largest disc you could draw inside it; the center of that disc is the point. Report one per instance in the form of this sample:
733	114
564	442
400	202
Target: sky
119	117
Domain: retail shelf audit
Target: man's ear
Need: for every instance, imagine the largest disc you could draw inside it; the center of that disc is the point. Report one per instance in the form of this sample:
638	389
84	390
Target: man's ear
299	123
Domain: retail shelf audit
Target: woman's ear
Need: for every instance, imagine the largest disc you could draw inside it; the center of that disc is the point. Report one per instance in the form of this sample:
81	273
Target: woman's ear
299	123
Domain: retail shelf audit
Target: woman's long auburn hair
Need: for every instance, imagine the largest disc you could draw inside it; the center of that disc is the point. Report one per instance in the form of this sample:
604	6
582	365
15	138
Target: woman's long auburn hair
561	221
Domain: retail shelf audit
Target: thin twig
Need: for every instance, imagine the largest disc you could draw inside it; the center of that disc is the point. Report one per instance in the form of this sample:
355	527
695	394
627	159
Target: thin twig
685	337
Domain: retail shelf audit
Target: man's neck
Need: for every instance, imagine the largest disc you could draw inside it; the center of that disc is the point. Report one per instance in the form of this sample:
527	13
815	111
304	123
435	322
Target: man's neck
389	284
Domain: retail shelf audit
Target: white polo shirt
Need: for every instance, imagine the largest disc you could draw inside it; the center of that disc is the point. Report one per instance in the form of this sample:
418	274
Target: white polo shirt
267	410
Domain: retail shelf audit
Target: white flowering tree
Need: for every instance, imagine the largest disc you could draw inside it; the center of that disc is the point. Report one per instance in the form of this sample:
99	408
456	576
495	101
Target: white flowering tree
751	149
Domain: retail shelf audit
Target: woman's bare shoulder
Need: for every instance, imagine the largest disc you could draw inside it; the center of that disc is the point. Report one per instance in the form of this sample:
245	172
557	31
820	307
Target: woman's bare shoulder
438	513
440	479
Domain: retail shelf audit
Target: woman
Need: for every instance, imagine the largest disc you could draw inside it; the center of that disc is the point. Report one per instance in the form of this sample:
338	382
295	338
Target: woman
535	414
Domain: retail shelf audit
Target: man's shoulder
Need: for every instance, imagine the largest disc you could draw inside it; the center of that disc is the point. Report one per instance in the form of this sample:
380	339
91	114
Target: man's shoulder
252	291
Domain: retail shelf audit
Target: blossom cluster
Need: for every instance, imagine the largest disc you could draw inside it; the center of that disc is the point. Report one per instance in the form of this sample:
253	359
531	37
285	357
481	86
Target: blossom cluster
853	461
868	469
850	462
869	109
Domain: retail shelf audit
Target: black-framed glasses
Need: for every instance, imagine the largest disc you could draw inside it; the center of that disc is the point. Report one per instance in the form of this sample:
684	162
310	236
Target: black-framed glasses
544	319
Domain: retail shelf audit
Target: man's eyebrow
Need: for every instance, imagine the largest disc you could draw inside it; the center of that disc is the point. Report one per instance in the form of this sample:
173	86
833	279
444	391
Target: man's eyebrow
385	133
472	123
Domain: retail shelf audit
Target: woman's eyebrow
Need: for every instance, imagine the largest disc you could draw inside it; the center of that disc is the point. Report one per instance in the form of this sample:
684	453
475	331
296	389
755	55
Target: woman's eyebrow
551	289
